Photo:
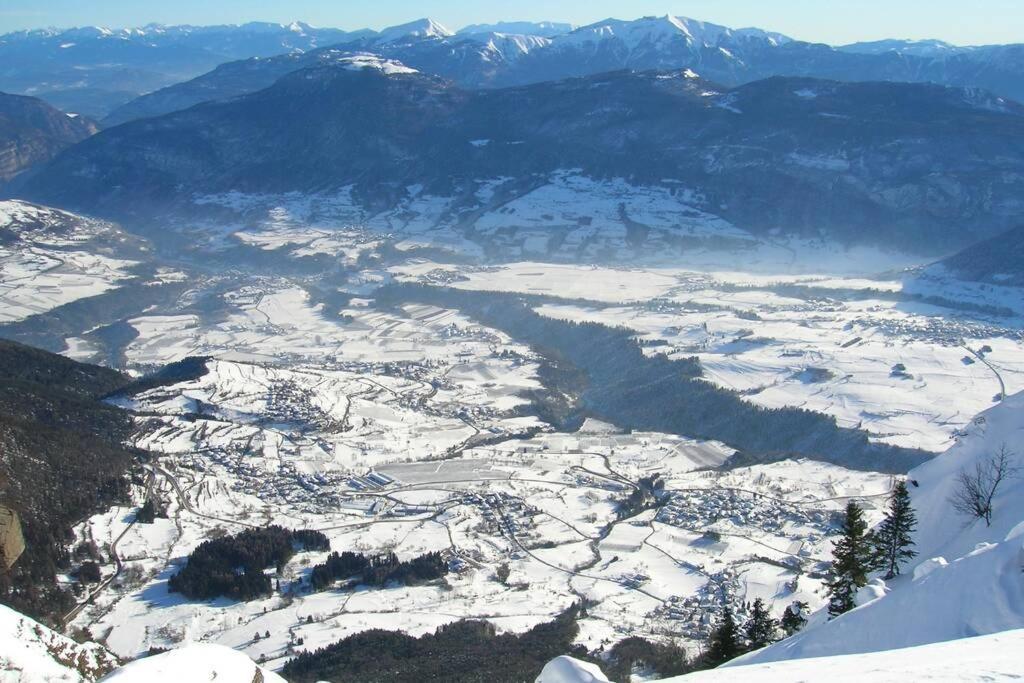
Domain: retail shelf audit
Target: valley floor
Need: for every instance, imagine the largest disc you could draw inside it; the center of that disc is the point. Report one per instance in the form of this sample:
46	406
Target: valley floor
413	428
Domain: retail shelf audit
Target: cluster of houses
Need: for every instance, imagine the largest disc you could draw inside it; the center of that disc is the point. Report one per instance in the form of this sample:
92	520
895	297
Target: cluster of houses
503	513
697	615
699	509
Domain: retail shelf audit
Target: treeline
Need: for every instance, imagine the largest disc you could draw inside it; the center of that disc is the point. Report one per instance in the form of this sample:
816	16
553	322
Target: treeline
462	652
233	566
377	571
655	393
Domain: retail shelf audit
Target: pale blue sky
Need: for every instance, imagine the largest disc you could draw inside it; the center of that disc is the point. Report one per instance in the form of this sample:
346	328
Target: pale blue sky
833	21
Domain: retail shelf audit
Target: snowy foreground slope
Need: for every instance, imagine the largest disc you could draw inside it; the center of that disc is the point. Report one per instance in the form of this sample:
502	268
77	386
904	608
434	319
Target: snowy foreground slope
32	653
976	588
956	613
985	658
198	662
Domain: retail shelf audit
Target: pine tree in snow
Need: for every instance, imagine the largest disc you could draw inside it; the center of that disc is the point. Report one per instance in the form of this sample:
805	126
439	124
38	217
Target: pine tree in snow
761	628
793	618
894	537
852	558
725	641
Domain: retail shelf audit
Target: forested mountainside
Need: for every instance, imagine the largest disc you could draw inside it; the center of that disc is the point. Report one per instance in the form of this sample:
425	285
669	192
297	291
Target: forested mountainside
62	458
912	166
998	260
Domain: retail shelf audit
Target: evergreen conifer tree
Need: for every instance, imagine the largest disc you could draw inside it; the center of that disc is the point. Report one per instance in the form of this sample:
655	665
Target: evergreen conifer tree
725	642
793	618
761	628
893	540
852	558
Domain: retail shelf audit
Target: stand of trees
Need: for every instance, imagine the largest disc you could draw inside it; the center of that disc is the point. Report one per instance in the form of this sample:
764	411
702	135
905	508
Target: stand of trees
664	659
233	566
725	641
646	494
859	551
893	540
793	618
730	640
150	511
377	571
462	652
852	558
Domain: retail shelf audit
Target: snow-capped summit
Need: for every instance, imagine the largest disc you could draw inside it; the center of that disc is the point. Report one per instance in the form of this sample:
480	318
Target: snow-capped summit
664	29
920	48
507	46
420	29
544	29
367	60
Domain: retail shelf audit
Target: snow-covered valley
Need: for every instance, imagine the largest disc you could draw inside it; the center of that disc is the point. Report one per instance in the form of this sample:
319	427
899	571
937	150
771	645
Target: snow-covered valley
324	400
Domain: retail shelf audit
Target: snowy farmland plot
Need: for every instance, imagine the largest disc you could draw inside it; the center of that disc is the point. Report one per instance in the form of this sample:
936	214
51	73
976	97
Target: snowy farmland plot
856	349
49	258
322	400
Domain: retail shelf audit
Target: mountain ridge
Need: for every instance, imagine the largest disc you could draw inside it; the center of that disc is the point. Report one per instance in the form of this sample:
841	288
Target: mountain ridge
791	153
32	132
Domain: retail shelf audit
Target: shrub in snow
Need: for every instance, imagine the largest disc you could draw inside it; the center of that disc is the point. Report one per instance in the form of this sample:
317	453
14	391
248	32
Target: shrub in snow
976	488
875	589
928	566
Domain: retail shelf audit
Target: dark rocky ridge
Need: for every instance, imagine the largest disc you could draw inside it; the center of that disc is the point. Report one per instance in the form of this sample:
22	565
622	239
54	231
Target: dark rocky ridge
32	132
998	260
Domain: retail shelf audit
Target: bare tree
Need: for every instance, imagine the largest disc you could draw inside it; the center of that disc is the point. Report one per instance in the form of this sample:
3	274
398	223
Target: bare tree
976	489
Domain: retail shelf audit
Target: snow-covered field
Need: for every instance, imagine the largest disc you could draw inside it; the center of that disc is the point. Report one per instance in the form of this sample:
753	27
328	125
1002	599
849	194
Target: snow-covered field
249	445
49	258
854	348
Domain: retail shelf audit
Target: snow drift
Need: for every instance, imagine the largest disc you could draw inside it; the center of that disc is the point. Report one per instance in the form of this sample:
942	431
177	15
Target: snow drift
198	662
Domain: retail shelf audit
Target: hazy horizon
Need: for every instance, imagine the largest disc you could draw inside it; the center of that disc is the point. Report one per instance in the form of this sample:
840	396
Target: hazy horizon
871	20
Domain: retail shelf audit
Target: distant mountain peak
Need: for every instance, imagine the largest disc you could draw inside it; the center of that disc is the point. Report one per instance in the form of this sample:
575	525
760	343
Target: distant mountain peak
543	29
664	30
420	29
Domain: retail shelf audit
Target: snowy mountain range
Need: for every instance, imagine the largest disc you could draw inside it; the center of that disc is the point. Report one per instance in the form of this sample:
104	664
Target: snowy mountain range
125	63
515	54
91	70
